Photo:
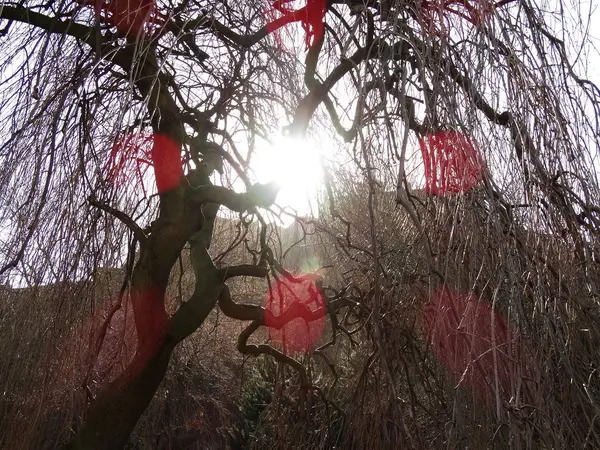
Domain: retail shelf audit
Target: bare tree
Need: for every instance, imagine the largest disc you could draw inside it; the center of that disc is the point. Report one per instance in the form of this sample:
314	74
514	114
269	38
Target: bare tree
95	94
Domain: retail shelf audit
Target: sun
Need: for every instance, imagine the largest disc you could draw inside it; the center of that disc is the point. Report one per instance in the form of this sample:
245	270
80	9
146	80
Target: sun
295	164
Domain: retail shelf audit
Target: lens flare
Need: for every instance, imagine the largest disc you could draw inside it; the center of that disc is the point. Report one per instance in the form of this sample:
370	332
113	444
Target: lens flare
298	297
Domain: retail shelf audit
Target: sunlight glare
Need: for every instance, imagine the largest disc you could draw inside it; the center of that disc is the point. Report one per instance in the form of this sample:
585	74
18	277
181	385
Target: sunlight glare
296	165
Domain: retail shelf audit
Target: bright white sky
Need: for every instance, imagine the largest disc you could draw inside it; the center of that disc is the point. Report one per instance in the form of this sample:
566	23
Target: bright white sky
594	58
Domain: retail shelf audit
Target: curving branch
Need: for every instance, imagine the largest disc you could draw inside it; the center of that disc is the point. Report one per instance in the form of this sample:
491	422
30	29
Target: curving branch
208	285
379	49
257	315
260	316
205	21
265	349
223	196
124	218
243	270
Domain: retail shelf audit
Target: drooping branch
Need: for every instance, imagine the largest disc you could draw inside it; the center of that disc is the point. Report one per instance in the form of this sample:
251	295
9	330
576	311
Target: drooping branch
149	78
522	142
119	56
124	218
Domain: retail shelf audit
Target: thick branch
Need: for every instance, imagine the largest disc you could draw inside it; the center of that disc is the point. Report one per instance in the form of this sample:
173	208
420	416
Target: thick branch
243	270
223	196
222	31
240	311
50	24
262	316
309	104
220	195
190	316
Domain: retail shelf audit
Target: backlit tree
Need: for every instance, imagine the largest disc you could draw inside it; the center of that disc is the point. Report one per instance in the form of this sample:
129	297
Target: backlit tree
127	126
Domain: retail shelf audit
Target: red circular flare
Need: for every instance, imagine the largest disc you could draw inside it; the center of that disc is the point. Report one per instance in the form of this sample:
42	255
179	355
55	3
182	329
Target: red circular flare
298	297
166	158
97	350
473	342
132	155
134	18
310	16
452	163
129	160
119	330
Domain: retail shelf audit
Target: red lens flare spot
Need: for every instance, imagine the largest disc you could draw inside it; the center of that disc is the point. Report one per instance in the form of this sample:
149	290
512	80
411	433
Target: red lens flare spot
271	16
452	163
117	337
134	18
129	160
113	340
97	350
311	16
132	155
300	299
473	342
166	156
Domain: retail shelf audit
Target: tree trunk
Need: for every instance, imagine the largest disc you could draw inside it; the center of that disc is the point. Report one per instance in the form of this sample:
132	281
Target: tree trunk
115	413
113	416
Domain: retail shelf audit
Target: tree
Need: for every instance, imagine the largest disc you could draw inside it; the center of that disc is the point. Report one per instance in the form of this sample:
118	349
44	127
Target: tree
96	94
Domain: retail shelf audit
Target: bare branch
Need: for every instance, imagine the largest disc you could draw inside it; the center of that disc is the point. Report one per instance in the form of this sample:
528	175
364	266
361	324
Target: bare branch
124	218
243	270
